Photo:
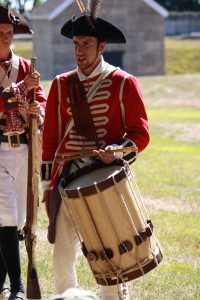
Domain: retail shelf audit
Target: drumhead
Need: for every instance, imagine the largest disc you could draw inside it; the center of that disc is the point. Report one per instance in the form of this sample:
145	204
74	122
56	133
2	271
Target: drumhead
93	177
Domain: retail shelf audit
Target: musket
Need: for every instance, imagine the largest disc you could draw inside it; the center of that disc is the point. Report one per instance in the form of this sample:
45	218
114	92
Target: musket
62	157
33	287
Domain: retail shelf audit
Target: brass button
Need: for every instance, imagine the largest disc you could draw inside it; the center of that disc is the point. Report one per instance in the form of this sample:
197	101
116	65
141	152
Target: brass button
11	100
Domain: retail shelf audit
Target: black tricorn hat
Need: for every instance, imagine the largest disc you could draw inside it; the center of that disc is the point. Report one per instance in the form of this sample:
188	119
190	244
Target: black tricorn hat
9	16
99	28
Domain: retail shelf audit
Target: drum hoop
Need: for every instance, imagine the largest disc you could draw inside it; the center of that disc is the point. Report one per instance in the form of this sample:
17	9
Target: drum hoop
132	273
102	185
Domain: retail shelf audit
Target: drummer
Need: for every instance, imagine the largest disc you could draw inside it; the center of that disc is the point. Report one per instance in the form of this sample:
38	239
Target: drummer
118	115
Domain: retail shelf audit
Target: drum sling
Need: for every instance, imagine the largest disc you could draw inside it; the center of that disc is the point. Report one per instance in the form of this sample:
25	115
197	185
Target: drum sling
81	113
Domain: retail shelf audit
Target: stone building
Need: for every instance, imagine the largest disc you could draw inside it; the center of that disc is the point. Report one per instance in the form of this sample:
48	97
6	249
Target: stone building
141	21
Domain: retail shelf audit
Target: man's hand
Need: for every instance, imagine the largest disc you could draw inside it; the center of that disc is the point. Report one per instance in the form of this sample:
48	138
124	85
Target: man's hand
106	155
32	81
35	108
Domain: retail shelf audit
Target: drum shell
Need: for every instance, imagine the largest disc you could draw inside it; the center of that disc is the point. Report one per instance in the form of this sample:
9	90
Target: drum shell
108	213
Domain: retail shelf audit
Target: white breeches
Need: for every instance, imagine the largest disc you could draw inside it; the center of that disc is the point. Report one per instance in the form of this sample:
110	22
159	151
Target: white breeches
65	254
13	185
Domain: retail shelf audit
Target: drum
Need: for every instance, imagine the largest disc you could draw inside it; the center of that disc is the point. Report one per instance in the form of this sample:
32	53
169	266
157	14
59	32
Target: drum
112	224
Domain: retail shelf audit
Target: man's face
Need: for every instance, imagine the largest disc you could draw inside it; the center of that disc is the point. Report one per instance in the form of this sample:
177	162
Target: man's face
6	37
87	52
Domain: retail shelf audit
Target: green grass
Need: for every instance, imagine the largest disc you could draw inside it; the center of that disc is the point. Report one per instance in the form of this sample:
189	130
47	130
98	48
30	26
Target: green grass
173	172
171	91
177	115
182	55
23	48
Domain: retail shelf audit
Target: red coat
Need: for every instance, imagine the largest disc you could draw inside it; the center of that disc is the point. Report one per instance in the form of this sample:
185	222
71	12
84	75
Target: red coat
24	70
117	108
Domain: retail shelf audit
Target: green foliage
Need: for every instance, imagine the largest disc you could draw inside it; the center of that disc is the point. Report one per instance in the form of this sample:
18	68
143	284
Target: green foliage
5	3
20	5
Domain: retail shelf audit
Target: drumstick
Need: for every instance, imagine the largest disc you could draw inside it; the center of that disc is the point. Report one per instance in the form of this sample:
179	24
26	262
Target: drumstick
62	157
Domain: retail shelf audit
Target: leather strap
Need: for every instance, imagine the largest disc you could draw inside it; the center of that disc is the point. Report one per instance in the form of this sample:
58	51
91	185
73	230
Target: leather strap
81	113
13	138
13	74
2	125
7	81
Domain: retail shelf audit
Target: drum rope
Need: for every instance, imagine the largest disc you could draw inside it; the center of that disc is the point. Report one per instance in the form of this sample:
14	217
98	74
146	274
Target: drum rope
107	210
156	247
130	218
136	231
136	196
89	218
132	222
100	261
99	240
69	209
140	197
147	217
125	205
156	244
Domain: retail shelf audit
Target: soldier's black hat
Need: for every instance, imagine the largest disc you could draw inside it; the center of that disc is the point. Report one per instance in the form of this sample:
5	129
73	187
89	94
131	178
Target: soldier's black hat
99	28
9	16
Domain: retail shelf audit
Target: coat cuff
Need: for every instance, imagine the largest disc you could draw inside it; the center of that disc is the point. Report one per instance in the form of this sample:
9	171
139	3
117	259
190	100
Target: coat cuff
130	157
45	170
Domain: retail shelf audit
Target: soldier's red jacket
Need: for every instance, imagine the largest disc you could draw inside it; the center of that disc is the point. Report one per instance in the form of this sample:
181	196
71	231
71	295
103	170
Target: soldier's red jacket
23	70
118	113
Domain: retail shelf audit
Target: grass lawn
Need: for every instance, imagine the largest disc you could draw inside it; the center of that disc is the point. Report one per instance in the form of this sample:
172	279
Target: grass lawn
182	55
23	48
168	176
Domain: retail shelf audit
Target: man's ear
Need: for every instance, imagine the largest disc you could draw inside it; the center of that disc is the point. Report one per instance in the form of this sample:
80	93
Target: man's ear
102	46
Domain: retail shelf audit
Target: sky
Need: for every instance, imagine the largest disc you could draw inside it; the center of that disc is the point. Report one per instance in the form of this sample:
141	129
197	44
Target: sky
29	5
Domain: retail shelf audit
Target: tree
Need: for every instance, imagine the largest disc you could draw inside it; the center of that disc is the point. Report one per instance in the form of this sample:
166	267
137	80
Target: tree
21	5
6	3
180	5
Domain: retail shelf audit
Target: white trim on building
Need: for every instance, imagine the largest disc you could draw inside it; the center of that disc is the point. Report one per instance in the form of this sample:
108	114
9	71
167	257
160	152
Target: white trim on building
157	7
53	14
58	10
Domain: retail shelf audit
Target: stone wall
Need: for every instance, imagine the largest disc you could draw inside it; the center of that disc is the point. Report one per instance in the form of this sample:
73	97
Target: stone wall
43	48
53	51
144	31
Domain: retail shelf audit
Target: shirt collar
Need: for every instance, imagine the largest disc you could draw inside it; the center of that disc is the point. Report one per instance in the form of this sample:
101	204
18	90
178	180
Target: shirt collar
6	63
98	70
8	58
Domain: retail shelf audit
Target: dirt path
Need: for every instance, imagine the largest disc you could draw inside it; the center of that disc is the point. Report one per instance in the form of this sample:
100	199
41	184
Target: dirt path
174	205
182	132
